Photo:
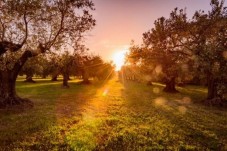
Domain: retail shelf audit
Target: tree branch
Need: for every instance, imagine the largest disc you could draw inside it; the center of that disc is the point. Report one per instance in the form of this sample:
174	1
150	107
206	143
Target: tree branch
3	30
26	27
24	57
50	43
5	45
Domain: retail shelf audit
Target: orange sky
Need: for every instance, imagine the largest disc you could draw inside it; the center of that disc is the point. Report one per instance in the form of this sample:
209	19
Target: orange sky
120	21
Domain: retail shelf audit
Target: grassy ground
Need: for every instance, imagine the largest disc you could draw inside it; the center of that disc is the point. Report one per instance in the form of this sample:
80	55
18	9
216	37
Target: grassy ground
112	116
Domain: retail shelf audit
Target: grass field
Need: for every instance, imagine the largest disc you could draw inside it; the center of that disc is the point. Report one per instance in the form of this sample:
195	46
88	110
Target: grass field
112	116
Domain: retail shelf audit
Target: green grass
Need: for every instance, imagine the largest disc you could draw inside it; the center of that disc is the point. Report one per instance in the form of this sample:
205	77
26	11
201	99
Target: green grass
112	116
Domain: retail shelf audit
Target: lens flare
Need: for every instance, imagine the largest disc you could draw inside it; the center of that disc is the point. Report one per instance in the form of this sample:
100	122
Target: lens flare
105	92
160	101
182	109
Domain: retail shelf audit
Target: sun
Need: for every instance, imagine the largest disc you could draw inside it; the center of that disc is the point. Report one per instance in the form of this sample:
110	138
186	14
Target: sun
119	59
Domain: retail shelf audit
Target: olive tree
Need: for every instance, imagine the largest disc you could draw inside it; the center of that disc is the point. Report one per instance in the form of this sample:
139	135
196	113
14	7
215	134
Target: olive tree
208	40
31	27
164	47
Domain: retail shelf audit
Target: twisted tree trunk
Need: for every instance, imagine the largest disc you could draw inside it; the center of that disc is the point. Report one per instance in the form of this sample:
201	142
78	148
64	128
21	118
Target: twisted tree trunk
7	89
8	96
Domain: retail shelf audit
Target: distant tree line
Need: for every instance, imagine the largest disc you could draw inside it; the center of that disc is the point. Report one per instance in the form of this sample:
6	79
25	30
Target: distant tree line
80	65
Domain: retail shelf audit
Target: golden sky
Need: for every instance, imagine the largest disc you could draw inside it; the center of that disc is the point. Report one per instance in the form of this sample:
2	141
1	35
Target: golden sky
120	21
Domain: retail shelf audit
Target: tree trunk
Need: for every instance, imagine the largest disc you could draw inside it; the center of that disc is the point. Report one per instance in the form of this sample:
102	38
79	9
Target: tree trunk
212	96
8	78
54	78
65	81
29	78
44	76
69	77
85	77
65	73
212	88
8	96
170	86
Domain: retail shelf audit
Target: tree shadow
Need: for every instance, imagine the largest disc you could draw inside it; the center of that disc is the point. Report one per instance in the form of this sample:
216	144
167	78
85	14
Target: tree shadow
55	110
193	124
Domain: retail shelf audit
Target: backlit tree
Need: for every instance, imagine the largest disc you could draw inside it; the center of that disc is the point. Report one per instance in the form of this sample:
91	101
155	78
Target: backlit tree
31	27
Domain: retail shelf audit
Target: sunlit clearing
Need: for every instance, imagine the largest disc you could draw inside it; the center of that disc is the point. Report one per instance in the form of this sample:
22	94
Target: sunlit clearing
118	59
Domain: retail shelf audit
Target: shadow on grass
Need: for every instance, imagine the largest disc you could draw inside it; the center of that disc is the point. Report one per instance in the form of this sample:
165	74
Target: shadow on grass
43	127
178	122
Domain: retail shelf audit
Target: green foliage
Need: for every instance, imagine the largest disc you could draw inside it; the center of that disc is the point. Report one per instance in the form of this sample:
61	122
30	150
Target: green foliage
23	24
208	42
32	66
163	43
162	52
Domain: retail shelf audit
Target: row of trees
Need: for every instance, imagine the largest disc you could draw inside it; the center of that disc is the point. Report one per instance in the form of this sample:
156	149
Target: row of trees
31	27
80	65
178	46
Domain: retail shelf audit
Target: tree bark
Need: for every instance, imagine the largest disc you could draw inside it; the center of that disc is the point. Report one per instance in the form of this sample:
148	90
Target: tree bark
213	98
170	85
29	78
54	78
65	80
8	96
212	88
65	73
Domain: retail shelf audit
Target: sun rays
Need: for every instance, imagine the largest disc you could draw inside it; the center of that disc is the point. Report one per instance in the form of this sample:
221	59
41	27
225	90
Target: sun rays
119	59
